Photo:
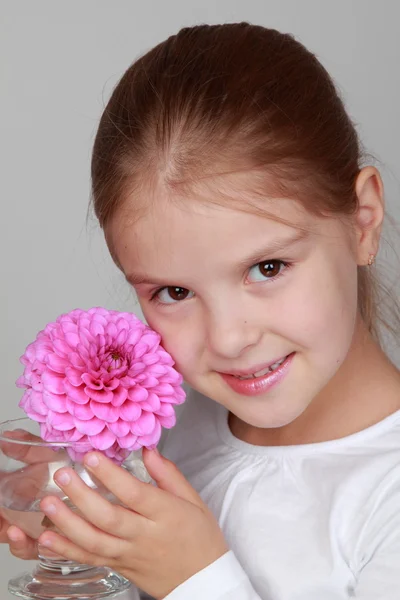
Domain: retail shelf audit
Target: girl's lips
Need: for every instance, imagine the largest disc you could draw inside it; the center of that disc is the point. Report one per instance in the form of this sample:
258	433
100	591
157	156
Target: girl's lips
258	385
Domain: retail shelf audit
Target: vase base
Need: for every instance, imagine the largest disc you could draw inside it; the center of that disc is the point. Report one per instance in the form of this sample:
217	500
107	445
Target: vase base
89	584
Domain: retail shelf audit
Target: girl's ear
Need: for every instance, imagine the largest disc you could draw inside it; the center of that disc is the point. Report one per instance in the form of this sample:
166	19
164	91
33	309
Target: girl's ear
370	213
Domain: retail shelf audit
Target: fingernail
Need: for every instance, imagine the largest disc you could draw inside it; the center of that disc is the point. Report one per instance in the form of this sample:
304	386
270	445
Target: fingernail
46	543
63	478
91	460
50	509
14	536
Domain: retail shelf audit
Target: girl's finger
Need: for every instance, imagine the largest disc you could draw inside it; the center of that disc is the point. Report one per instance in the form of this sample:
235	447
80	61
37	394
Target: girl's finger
4	526
65	548
111	518
27	451
79	531
143	498
21	545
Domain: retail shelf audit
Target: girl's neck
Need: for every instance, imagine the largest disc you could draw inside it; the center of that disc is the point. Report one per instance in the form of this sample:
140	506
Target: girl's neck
365	390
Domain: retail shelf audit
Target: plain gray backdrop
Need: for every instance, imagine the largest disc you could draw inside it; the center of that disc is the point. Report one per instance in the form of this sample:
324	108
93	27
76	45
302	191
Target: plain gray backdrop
59	62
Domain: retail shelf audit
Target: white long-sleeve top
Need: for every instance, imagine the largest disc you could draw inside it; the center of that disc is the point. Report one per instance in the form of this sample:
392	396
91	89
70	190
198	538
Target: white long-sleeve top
308	522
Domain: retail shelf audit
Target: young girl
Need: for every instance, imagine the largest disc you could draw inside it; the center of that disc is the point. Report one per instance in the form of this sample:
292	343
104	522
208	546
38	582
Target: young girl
229	183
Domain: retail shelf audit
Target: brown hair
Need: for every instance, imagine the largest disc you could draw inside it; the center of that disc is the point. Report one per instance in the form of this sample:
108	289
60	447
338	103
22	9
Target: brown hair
236	96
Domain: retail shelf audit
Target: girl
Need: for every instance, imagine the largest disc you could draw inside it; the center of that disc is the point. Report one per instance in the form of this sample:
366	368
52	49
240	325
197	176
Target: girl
229	182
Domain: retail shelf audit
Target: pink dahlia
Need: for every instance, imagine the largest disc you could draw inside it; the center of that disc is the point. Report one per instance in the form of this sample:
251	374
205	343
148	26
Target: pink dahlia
99	379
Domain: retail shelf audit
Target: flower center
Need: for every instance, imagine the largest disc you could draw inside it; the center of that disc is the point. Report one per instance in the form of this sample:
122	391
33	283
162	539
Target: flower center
116	360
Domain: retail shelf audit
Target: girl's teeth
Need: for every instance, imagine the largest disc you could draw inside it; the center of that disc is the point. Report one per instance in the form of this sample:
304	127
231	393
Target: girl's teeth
264	371
277	364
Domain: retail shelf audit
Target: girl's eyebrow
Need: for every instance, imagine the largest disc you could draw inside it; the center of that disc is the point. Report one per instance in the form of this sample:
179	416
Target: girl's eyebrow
137	279
274	247
279	245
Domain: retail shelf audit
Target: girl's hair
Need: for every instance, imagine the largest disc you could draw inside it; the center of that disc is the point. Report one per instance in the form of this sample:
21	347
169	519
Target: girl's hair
236	96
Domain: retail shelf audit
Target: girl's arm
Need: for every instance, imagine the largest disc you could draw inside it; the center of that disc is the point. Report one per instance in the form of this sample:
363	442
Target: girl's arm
224	579
378	560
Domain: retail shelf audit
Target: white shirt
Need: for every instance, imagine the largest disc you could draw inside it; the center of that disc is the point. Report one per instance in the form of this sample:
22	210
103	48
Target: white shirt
308	522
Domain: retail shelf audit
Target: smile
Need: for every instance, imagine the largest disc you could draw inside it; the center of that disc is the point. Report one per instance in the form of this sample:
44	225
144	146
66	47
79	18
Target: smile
262	380
263	372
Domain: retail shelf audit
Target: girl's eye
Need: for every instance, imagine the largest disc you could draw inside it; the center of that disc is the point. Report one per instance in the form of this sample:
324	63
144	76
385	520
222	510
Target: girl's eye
171	295
269	269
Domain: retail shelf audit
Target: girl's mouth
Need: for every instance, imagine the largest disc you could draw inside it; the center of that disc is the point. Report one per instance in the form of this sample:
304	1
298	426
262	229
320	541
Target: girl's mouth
261	381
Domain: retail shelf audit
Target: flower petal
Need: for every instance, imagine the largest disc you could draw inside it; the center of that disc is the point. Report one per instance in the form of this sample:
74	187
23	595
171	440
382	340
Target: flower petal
117	454
179	396
103	440
119	396
112	384
151	339
111	330
36	382
75	360
96	328
166	409
91	427
138	394
72	339
92	382
21	382
130	411
55	402
83	412
53	383
74	376
120	428
164	389
140	349
73	435
136	367
134	336
151	440
49	434
60	422
128	440
167	422
165	358
152	403
157	370
172	376
151	359
148	381
106	412
57	363
61	347
77	394
99	395
144	424
121	337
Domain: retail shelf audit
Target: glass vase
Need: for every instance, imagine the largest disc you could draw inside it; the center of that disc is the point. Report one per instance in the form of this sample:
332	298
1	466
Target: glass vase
27	468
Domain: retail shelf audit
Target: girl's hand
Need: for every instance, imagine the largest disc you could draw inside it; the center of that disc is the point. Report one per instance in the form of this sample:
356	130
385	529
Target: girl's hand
21	545
160	537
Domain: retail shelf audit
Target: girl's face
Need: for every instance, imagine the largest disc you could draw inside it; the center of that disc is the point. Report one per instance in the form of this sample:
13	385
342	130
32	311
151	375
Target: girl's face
233	292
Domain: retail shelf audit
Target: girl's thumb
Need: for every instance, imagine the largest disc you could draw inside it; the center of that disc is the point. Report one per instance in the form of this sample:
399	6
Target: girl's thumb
168	477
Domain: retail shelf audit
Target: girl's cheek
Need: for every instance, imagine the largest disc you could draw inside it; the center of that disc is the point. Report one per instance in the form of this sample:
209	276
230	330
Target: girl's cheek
177	339
180	345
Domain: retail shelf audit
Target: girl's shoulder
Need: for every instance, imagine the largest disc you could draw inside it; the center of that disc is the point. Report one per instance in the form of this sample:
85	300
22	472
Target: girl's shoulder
194	417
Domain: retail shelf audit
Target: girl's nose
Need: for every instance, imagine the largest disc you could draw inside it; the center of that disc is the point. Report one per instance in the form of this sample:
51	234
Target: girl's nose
229	336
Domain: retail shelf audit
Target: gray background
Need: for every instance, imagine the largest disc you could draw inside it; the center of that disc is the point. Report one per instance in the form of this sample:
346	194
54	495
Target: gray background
59	62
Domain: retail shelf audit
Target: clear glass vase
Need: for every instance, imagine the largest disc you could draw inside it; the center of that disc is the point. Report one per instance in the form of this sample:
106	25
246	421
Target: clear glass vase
27	467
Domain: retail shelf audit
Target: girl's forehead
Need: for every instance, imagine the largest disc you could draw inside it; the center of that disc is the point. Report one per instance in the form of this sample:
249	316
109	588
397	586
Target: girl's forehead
178	230
167	212
226	196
